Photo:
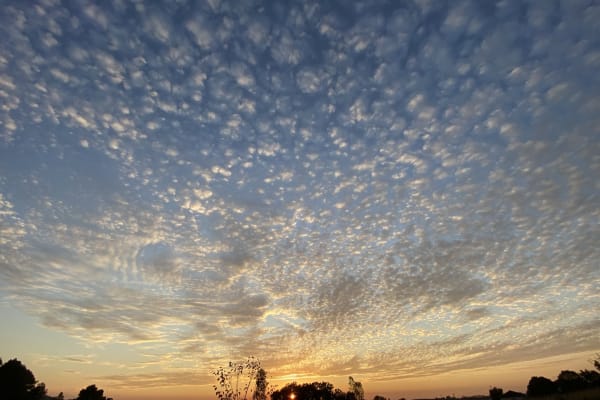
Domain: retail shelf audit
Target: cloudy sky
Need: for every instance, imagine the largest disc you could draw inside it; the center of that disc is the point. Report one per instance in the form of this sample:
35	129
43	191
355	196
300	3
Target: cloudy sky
392	190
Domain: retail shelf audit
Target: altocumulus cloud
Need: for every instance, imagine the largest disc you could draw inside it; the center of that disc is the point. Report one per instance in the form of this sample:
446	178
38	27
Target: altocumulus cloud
370	187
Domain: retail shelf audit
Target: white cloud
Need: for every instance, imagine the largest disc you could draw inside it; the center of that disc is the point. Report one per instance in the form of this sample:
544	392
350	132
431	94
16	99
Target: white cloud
201	32
202	194
258	31
242	75
308	81
286	49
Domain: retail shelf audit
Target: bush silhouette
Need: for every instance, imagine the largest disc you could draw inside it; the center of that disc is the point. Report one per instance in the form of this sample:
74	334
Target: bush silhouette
18	383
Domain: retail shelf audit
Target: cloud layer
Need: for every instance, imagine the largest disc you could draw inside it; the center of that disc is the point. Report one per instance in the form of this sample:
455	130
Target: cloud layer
391	190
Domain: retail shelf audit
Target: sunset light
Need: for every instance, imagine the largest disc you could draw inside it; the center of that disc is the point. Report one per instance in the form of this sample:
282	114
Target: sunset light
397	199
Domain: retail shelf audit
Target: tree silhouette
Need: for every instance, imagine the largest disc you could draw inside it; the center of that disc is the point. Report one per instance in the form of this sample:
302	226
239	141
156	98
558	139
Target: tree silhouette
339	394
570	381
355	389
496	393
308	391
592	378
540	386
92	393
285	392
18	383
260	392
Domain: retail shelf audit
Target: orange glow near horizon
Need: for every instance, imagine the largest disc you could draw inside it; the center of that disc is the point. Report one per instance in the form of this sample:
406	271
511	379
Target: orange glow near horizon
512	376
405	192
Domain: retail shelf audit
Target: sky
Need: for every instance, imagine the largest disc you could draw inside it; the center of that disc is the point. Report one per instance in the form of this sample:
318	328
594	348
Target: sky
405	192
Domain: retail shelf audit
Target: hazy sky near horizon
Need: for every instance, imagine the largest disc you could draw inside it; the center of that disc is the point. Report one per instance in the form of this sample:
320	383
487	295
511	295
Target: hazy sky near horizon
383	189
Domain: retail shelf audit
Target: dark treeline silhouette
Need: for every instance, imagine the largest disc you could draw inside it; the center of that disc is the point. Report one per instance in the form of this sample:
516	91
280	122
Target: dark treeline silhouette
17	382
321	391
247	380
566	382
496	393
92	393
308	391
